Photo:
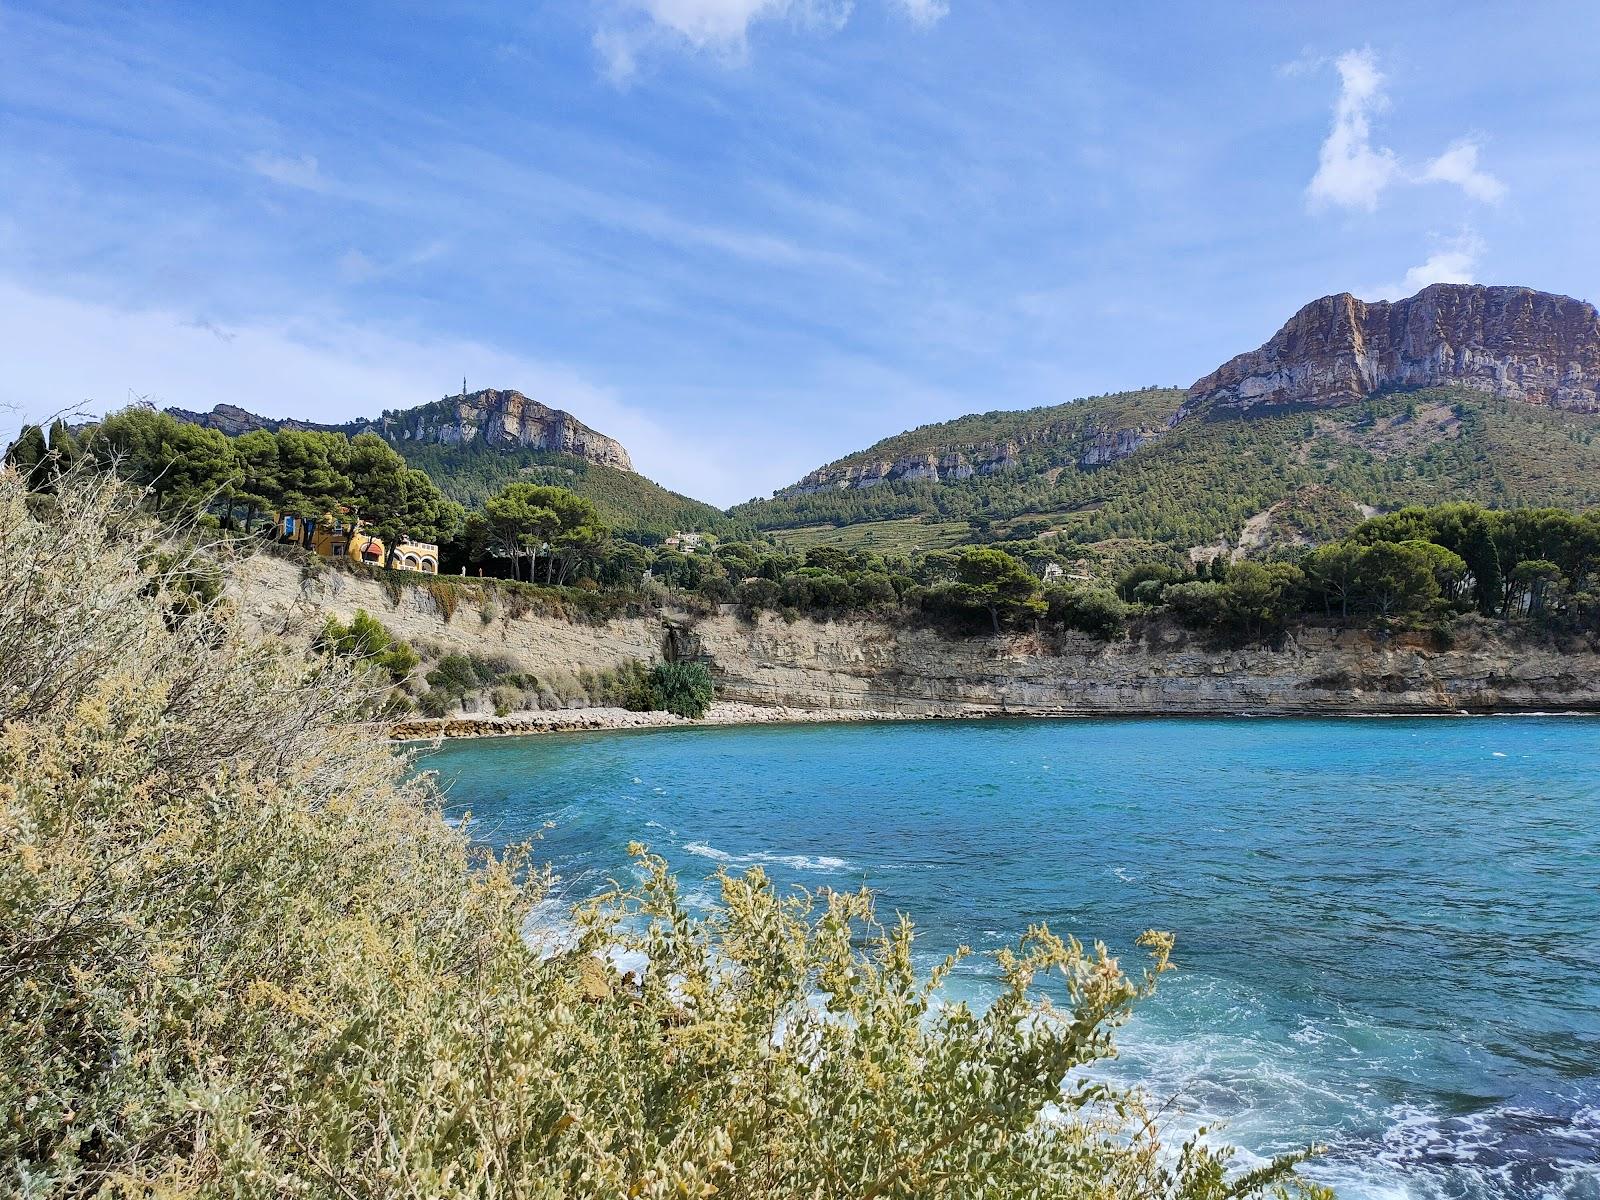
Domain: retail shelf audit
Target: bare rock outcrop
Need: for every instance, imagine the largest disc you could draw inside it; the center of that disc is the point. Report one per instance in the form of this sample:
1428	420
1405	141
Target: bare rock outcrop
491	417
1511	342
910	468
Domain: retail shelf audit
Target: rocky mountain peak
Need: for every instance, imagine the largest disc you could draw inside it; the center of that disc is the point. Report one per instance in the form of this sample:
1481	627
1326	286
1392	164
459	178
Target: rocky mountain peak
490	417
1512	342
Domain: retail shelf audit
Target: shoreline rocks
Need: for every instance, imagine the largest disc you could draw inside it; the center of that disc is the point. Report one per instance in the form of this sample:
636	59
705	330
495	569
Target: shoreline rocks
581	720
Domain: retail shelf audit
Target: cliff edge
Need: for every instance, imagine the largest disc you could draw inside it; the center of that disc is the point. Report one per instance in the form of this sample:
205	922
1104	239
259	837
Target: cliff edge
1511	342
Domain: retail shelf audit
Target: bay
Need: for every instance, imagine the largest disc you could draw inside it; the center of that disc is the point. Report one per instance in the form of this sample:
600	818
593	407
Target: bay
1388	930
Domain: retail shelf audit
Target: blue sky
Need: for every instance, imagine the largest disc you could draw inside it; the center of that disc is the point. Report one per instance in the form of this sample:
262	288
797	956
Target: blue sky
748	236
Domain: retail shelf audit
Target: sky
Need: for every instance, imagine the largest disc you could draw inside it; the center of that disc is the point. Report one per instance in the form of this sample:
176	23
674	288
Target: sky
746	237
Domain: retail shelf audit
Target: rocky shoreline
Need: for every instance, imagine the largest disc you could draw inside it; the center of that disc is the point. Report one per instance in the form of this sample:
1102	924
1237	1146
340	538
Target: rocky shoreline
767	669
580	720
599	720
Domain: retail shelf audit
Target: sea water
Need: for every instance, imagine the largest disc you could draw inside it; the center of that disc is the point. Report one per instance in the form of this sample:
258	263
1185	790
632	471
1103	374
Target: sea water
1388	930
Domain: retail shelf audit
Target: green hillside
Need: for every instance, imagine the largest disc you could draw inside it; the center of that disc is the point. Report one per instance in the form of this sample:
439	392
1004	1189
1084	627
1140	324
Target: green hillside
630	503
1202	482
1046	437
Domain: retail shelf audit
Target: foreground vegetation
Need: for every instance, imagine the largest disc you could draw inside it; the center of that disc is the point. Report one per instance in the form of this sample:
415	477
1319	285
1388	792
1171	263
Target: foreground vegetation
242	954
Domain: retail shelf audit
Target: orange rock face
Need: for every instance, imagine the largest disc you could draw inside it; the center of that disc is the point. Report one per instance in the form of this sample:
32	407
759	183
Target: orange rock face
1512	342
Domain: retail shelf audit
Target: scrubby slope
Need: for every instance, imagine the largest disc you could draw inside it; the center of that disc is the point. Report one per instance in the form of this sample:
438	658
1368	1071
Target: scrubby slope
1199	483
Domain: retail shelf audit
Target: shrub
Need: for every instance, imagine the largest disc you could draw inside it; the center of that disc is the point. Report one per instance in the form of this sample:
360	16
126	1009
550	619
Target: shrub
367	639
242	954
683	688
455	677
1094	611
436	703
756	594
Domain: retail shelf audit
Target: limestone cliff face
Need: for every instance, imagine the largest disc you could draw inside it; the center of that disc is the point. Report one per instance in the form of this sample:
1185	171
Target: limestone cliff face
862	666
910	468
1512	342
500	419
1109	445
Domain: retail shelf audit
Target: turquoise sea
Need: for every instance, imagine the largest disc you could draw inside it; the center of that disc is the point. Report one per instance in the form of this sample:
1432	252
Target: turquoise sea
1388	930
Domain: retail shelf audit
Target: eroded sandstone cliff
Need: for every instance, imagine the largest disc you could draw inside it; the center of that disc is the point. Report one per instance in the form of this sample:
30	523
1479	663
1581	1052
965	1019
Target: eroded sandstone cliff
862	666
1512	342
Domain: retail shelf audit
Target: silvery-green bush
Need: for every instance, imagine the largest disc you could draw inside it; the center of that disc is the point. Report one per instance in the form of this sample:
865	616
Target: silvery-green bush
242	955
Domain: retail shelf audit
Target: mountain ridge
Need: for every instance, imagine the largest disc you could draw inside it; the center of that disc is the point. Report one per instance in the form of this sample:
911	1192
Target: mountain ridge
499	419
1461	391
1514	343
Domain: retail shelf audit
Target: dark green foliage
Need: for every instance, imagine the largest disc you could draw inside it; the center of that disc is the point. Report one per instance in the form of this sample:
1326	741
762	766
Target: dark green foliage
305	474
452	680
1492	545
529	522
1143	577
1198	484
367	639
683	688
993	582
29	456
182	467
1255	600
1384	579
1094	611
632	505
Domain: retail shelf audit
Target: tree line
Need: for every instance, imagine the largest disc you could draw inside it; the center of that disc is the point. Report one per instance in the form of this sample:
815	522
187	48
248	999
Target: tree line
1422	564
249	482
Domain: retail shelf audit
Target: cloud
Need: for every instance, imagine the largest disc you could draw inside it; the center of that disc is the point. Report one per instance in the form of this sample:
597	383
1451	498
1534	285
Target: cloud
1352	173
1455	261
1307	63
721	27
924	12
1459	165
300	172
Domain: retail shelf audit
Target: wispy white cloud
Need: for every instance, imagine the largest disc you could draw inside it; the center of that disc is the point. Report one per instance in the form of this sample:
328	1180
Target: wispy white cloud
1459	165
924	12
299	171
722	28
1353	172
1453	260
1308	62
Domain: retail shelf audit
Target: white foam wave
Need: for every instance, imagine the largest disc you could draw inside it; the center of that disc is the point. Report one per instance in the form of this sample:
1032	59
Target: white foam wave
797	862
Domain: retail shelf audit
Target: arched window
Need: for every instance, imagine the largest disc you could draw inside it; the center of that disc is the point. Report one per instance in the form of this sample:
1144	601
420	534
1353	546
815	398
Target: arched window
409	562
430	567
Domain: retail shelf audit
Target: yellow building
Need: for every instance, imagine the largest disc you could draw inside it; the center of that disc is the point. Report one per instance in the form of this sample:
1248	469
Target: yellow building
339	537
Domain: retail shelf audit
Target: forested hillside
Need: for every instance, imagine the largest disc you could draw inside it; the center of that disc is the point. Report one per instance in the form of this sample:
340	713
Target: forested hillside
630	503
1202	482
1035	438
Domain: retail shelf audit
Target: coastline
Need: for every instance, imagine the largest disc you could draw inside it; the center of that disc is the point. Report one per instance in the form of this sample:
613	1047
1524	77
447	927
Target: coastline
723	714
595	720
